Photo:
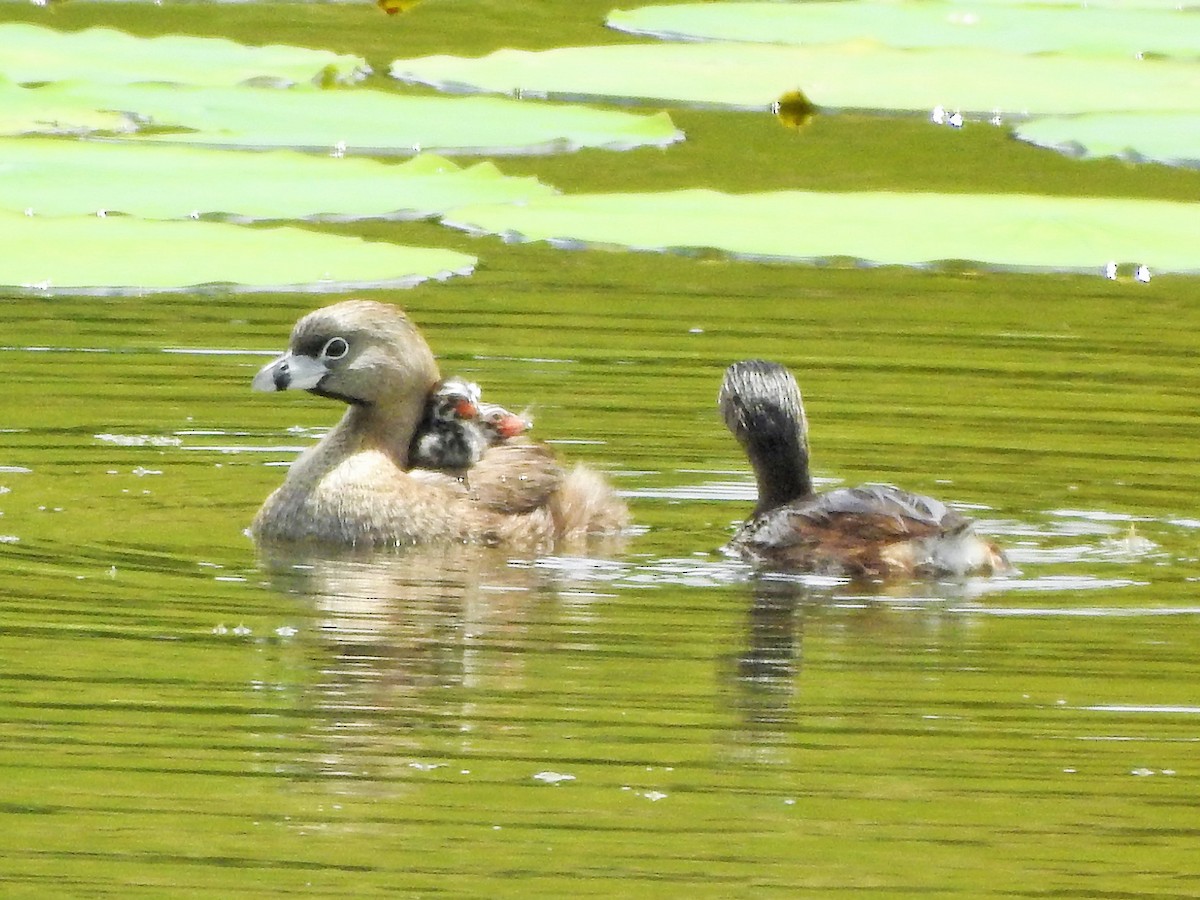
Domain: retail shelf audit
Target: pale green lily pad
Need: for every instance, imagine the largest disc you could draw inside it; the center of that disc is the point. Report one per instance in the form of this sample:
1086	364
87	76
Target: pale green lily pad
1168	138
65	177
353	121
30	53
849	76
1091	4
118	254
1077	30
993	230
24	111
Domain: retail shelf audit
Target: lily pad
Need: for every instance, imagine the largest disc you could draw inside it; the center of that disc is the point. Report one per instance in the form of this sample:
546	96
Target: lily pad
1017	232
1076	30
117	254
1093	4
67	177
40	111
30	53
353	121
1171	138
853	76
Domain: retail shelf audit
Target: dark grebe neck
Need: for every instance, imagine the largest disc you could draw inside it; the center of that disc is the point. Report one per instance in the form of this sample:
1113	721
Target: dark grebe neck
762	407
780	468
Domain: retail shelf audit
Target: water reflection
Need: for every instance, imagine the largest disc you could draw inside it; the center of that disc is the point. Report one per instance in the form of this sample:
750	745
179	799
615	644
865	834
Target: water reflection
767	671
763	681
471	666
412	644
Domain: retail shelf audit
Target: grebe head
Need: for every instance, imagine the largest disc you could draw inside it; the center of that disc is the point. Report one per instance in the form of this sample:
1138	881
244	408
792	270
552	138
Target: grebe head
761	405
359	351
454	400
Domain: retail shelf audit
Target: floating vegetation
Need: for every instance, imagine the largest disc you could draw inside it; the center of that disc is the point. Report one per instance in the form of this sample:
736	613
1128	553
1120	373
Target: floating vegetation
127	255
1094	4
42	111
850	76
1170	138
794	110
393	7
1079	30
1008	231
346	122
32	54
1071	37
146	91
51	177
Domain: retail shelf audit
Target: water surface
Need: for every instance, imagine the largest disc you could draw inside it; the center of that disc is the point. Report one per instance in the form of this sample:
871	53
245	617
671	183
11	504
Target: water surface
185	716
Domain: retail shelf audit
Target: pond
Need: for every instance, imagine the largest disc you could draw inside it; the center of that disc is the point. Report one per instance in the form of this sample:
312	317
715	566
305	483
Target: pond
184	716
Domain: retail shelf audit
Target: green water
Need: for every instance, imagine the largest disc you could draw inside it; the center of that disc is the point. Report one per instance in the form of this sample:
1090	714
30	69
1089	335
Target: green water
183	718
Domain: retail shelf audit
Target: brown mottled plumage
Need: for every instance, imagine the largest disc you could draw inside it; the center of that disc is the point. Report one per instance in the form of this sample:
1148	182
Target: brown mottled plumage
354	488
874	531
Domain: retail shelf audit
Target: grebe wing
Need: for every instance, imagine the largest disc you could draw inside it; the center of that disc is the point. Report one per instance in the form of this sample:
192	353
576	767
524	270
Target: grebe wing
911	513
515	477
847	529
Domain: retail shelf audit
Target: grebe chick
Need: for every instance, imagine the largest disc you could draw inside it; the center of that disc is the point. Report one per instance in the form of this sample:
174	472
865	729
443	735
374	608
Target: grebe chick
354	487
451	434
500	425
872	531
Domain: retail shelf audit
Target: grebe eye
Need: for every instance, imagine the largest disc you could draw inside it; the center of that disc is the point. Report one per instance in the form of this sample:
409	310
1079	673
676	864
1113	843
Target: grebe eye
335	348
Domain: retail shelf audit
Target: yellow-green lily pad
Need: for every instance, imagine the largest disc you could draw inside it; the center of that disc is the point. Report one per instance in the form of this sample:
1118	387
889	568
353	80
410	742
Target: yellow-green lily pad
25	111
852	76
1007	231
31	53
68	177
1171	138
345	121
119	254
924	25
1093	4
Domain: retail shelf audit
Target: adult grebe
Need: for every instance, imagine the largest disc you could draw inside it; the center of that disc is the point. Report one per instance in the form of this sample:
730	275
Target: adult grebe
872	531
354	488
